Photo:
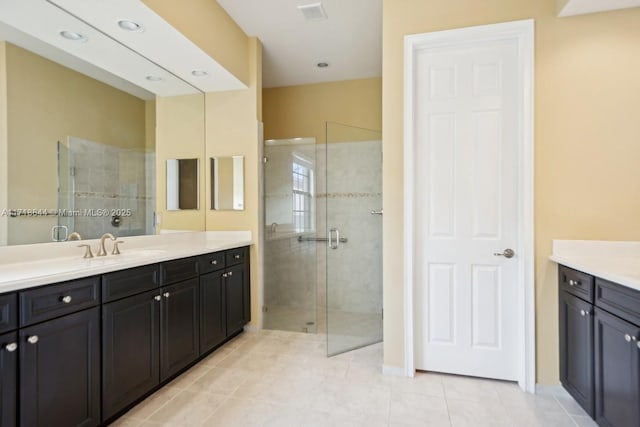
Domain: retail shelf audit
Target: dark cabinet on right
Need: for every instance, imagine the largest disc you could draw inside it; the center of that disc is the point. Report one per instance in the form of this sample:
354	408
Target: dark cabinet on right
600	347
224	296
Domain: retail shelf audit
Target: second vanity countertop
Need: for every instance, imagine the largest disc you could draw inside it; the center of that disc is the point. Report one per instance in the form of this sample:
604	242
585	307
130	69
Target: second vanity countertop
26	266
615	261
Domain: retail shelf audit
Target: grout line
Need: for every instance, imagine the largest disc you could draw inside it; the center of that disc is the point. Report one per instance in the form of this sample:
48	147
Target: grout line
565	411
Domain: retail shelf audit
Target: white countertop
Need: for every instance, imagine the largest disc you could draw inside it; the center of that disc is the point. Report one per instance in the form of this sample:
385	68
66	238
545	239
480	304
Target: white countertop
26	266
617	261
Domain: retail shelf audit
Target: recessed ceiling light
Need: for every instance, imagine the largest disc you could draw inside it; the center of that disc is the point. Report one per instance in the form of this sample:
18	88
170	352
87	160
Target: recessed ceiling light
322	64
154	78
127	25
199	73
73	36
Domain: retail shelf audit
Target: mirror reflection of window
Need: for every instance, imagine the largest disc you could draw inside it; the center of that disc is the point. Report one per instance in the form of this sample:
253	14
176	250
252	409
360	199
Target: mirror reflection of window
302	174
182	184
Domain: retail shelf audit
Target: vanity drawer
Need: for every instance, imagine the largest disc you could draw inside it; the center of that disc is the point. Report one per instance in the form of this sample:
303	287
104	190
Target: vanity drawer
57	300
120	284
178	270
211	262
8	312
576	283
236	256
620	300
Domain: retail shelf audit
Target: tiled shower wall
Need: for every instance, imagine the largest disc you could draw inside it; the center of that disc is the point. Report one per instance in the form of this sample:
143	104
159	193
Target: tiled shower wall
354	189
105	177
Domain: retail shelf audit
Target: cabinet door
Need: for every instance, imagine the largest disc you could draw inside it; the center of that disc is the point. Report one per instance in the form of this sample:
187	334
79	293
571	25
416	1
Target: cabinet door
617	361
576	349
8	374
60	371
213	323
236	295
130	350
180	340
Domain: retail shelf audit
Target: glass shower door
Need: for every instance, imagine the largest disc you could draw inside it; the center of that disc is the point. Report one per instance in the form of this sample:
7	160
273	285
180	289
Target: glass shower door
290	246
352	195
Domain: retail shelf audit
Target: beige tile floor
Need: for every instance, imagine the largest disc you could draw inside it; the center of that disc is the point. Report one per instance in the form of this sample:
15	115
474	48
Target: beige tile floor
282	379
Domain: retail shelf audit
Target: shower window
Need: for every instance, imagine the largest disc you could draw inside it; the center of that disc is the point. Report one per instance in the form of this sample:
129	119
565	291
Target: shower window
302	193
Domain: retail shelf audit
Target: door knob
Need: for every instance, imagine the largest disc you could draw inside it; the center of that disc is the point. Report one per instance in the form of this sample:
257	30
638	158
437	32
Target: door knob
508	253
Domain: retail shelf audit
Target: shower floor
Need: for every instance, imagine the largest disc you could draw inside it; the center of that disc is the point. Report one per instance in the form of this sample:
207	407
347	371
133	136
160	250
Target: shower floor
346	329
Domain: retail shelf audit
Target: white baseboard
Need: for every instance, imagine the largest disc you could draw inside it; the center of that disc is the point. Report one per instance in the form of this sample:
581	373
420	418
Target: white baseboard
551	390
397	371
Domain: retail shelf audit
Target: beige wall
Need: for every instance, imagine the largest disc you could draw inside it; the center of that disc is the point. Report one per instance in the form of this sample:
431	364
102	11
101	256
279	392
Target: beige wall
586	139
180	131
46	103
302	111
3	144
233	119
209	26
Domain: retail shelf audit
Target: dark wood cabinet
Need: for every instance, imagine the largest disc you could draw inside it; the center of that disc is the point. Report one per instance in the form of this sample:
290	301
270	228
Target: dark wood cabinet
235	297
59	372
617	371
576	349
80	353
130	350
213	315
600	347
8	378
180	332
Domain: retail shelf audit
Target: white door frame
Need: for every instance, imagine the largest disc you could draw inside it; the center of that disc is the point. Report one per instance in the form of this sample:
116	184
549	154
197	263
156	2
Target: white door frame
522	32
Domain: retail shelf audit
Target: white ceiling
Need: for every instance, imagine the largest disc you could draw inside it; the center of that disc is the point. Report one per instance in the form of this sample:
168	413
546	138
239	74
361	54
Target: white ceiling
119	58
580	7
350	40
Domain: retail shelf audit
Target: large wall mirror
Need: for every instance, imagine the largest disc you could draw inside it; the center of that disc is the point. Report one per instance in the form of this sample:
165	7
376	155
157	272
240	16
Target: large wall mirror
78	144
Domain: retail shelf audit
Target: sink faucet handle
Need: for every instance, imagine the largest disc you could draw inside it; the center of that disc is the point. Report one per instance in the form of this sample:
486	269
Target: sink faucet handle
102	251
87	251
116	250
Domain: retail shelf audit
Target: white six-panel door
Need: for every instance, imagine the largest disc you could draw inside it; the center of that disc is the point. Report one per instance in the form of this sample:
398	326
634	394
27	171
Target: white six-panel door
466	210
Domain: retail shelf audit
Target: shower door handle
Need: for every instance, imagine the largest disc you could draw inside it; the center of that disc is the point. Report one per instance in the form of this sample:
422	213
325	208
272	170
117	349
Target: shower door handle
334	244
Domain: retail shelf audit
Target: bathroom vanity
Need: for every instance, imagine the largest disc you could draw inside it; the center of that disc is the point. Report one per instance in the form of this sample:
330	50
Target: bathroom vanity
82	351
599	320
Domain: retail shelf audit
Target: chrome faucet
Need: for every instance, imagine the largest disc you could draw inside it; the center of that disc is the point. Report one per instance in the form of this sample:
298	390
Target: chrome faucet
102	251
74	236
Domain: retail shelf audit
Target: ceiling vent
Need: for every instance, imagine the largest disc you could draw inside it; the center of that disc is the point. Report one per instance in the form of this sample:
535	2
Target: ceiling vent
313	12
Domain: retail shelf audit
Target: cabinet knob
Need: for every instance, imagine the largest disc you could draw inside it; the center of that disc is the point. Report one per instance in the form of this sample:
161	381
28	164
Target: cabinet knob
66	299
11	347
584	313
33	339
230	273
572	283
627	337
214	262
166	294
157	297
236	256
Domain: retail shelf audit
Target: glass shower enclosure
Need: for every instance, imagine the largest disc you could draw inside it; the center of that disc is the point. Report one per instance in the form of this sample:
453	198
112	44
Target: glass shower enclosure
323	236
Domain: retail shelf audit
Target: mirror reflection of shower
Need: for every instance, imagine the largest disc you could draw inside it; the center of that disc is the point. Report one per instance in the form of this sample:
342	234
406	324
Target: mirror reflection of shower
104	189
